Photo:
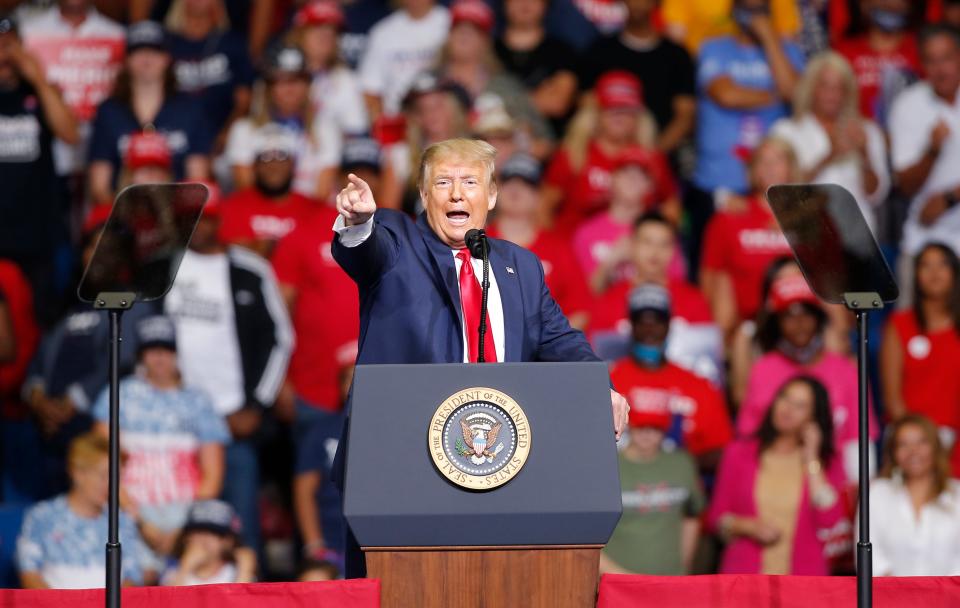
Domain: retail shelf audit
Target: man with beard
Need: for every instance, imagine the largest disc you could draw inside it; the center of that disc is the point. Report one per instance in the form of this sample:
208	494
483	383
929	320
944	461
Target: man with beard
259	216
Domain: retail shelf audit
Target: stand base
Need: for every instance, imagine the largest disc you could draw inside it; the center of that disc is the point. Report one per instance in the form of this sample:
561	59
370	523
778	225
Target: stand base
477	577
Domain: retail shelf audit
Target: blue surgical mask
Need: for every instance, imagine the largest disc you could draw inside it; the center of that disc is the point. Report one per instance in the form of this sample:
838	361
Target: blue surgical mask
645	354
888	21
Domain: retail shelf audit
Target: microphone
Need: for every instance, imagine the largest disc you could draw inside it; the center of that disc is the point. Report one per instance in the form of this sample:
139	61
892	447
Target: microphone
476	241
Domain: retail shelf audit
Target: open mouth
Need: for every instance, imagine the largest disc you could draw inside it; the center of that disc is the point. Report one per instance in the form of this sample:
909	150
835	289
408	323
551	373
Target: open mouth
458	218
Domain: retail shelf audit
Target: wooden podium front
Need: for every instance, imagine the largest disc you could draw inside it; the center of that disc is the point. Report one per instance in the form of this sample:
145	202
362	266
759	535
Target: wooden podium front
478	577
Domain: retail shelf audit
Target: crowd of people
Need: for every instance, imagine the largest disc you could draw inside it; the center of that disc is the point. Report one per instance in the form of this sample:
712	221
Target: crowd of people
635	141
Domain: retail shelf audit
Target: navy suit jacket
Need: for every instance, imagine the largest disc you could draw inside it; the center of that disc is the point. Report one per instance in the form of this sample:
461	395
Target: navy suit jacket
410	298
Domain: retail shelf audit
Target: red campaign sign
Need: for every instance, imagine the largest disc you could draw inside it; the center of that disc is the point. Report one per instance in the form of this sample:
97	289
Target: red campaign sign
83	68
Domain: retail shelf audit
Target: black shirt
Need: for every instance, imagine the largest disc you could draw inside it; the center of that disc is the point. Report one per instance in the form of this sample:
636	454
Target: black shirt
29	202
665	69
534	66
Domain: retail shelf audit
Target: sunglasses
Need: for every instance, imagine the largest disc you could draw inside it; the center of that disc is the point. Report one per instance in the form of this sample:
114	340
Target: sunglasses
270	156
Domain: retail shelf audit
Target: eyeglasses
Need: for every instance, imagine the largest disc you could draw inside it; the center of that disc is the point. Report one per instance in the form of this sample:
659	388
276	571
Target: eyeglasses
269	156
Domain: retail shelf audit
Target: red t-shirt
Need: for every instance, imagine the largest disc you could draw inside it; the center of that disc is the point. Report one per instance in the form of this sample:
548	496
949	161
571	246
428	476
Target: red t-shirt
931	384
15	292
743	244
560	271
610	312
248	216
872	68
705	423
326	312
587	190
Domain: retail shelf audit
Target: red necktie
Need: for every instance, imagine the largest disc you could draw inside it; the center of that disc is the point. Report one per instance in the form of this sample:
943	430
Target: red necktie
470	299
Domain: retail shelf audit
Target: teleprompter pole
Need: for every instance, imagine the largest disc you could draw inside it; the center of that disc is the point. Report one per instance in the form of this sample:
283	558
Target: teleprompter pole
864	549
113	502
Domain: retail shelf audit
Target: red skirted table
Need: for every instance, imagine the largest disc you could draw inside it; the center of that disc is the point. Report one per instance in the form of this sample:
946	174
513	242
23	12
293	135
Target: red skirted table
756	591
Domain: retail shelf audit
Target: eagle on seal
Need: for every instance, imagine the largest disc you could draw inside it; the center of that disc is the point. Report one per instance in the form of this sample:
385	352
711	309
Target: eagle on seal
479	439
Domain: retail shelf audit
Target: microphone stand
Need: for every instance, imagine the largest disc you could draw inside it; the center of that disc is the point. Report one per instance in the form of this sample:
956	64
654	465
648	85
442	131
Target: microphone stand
485	289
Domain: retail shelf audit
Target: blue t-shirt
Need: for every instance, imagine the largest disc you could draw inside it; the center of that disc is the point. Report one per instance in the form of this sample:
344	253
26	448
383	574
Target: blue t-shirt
722	133
316	454
181	120
210	69
68	550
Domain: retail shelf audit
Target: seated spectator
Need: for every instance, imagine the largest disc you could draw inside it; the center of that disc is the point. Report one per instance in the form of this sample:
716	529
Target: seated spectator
399	48
468	59
542	63
664	68
61	542
145	98
234	344
744	82
208	552
32	113
742	240
577	182
694	343
921	344
491	122
317	502
692	22
662	502
833	143
335	90
792	340
211	63
312	570
925	147
283	103
147	160
172	435
602	243
914	503
516	220
699	420
269	208
778	493
884	56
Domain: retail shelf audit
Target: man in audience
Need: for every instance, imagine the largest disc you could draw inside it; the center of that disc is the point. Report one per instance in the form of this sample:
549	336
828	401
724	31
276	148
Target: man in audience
664	68
925	146
259	216
745	82
234	343
61	542
699	420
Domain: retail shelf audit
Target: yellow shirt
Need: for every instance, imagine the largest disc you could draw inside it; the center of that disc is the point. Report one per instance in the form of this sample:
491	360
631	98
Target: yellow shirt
702	19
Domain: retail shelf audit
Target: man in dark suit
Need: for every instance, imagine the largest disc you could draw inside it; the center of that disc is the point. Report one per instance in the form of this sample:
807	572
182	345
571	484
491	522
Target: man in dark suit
420	288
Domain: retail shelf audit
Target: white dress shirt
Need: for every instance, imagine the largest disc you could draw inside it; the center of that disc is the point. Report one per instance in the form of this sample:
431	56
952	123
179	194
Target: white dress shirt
906	543
351	236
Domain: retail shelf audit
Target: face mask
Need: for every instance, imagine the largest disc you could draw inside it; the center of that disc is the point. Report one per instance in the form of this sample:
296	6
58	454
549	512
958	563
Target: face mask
888	21
801	354
649	356
742	16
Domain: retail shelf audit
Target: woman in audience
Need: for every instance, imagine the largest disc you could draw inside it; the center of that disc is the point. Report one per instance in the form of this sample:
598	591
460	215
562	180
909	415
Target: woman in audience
207	550
778	492
791	338
914	504
834	144
145	98
921	347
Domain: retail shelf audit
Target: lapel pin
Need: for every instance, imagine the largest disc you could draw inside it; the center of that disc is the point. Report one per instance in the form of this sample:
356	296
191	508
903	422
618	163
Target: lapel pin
510	270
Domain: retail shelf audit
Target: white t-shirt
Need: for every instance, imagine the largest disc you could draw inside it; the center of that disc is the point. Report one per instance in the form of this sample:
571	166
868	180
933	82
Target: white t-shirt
201	305
907	545
399	48
811	144
226	574
83	62
914	114
314	154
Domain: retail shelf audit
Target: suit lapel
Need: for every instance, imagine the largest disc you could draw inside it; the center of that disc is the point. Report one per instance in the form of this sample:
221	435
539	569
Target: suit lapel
510	300
443	262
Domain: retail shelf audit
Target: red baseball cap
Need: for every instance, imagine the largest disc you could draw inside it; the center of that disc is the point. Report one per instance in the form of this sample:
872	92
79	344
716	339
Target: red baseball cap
619	89
789	290
320	12
475	12
148	149
213	207
636	156
96	218
660	419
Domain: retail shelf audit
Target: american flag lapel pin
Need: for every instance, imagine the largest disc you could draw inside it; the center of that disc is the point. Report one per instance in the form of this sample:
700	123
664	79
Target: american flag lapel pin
510	270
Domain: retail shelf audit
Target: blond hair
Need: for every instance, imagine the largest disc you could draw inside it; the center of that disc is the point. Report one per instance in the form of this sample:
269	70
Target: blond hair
87	450
583	128
783	146
459	149
803	96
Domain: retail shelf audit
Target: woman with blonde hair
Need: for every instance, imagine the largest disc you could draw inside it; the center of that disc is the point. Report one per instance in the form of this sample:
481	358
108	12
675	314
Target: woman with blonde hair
578	179
833	142
915	505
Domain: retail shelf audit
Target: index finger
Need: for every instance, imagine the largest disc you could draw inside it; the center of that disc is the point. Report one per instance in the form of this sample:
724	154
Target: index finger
359	183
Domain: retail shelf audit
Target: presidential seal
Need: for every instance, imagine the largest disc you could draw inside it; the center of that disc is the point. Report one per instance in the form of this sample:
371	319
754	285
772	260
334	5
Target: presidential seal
479	438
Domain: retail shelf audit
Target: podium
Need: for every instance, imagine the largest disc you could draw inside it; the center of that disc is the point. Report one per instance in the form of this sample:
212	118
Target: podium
482	485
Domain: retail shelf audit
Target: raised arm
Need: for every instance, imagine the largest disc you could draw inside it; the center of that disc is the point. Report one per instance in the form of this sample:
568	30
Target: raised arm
364	249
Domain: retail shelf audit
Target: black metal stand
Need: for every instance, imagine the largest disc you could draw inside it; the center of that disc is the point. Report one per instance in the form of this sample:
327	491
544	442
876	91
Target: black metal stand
485	289
115	304
861	304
